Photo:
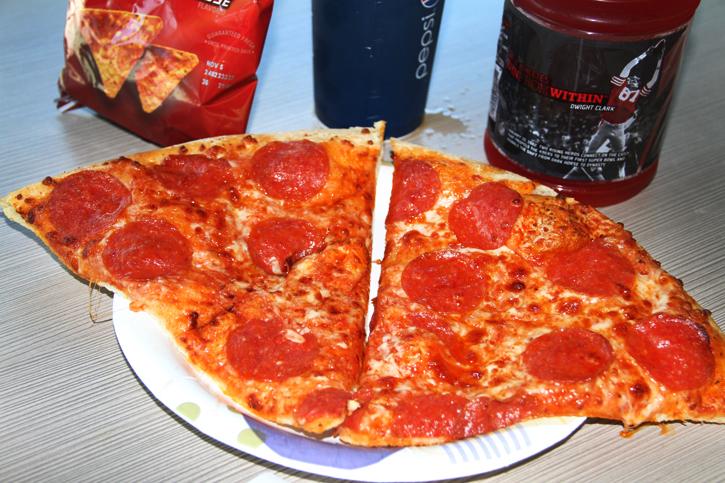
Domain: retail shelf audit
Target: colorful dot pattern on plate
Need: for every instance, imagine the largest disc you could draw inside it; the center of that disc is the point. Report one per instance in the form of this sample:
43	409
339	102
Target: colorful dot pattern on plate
189	410
310	450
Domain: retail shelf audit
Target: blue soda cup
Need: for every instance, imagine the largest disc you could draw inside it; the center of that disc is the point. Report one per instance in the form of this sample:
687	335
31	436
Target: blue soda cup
373	61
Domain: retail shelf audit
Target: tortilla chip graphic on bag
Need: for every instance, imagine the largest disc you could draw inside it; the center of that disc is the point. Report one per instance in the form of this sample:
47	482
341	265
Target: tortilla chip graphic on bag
161	69
117	40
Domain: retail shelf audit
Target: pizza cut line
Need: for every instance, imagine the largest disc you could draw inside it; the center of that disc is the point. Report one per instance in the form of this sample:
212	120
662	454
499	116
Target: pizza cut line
498	302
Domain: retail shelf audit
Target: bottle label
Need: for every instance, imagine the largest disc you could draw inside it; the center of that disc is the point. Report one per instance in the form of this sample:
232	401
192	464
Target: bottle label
579	109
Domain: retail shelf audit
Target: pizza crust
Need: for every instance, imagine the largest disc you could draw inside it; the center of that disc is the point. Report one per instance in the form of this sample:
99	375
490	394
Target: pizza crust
407	150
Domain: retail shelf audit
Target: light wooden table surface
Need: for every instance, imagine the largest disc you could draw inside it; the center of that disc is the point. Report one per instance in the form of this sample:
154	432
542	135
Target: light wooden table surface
72	409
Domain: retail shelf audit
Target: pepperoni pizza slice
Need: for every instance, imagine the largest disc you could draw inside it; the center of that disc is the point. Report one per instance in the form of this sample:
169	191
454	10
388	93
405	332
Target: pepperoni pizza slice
500	302
253	251
117	40
159	72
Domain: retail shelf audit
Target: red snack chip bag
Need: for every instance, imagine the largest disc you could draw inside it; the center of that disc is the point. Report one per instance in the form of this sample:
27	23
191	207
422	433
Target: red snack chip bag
167	70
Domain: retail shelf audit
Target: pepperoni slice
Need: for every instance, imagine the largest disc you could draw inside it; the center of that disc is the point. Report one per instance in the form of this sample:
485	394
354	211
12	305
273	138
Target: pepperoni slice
415	190
329	402
594	269
265	350
193	174
292	170
147	249
486	217
568	355
275	244
86	203
445	281
675	351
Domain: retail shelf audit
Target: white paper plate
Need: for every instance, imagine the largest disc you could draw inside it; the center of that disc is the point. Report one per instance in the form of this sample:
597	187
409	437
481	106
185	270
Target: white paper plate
163	371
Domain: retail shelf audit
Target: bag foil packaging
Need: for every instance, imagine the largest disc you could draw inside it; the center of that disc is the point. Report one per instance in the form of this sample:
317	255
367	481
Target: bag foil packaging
167	70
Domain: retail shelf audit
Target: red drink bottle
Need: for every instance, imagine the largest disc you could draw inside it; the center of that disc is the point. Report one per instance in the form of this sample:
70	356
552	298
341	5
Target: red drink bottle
581	92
